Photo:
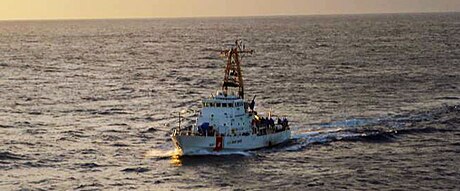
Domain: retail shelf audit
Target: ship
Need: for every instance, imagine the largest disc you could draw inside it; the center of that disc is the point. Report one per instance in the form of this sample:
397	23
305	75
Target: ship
227	122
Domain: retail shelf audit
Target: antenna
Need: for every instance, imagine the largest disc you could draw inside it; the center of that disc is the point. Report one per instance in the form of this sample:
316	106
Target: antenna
233	76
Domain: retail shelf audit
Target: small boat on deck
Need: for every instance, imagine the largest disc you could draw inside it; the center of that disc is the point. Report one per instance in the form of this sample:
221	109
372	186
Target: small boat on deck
226	121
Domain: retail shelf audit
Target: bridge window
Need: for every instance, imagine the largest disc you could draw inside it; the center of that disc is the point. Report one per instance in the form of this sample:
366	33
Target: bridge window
224	104
218	105
212	104
230	105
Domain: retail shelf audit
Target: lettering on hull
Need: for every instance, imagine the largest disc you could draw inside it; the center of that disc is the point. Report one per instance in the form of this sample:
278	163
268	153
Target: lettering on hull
235	141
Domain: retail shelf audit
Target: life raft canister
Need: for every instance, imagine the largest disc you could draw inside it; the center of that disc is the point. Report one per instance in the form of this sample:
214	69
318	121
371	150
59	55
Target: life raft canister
219	143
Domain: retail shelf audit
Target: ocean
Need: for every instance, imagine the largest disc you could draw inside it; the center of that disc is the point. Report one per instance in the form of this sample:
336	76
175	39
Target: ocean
373	102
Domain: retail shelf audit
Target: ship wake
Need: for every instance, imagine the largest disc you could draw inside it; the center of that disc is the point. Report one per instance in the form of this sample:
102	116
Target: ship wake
377	130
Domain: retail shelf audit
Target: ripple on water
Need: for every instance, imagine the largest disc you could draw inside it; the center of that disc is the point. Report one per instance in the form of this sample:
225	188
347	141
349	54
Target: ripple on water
89	105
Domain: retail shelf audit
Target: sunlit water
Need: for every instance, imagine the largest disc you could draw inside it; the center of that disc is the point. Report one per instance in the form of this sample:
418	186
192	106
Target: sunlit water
373	101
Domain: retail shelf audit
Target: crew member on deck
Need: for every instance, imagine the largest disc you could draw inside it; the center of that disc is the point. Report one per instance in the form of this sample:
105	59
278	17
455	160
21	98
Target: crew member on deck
252	104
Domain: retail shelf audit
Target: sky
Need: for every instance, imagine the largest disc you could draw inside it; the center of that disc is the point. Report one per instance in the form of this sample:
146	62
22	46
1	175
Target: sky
94	9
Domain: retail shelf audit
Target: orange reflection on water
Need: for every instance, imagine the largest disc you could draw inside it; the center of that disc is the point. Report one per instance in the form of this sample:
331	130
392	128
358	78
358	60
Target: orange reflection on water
176	160
173	155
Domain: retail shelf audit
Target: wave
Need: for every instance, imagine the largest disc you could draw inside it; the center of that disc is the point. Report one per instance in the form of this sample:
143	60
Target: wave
136	170
11	156
377	130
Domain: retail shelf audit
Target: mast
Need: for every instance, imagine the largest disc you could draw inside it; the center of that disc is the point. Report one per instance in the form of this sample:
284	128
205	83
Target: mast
233	76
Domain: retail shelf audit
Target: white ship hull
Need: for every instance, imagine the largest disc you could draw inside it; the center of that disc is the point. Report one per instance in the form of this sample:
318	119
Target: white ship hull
190	145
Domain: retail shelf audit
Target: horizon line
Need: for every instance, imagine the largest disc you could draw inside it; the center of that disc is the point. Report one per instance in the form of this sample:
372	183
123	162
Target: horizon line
222	16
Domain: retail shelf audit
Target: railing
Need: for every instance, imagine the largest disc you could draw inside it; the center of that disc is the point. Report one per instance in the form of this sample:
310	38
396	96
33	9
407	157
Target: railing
261	130
179	131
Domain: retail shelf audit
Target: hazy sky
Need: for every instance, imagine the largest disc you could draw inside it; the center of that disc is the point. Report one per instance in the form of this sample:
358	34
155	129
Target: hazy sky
61	9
